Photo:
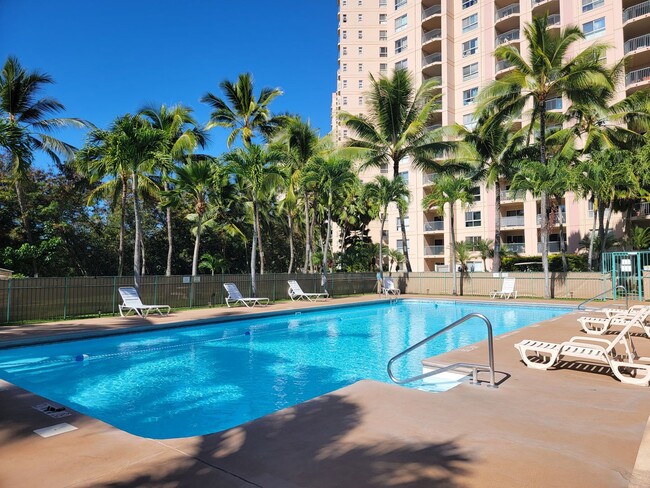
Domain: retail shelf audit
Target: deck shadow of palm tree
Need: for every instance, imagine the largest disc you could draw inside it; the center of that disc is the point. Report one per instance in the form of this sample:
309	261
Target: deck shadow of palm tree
320	443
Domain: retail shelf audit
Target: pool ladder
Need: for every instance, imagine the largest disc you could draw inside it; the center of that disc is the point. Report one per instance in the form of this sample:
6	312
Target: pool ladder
474	367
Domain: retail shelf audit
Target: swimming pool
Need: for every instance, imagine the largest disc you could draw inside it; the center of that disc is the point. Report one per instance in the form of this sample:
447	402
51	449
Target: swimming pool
195	380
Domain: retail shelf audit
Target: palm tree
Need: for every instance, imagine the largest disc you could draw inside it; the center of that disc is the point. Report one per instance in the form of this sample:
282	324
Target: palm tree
241	111
447	190
182	137
463	253
546	74
485	249
26	126
334	177
194	182
381	193
396	128
396	257
256	173
213	263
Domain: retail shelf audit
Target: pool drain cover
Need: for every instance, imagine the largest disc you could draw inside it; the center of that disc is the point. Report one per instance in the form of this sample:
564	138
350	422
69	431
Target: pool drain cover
55	430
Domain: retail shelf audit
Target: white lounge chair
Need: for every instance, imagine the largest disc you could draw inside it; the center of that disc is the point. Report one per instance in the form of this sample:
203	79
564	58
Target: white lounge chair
295	292
636	317
234	296
544	355
507	289
389	287
131	302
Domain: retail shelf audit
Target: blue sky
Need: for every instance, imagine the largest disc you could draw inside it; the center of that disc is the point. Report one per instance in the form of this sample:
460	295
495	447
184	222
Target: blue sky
110	57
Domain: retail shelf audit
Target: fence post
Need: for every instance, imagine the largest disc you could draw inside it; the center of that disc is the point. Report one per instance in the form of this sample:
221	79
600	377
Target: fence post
9	299
114	293
155	290
65	298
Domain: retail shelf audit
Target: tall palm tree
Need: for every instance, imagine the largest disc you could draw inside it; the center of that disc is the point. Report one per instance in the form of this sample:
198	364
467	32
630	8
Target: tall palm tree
334	177
463	253
382	192
256	172
26	128
545	73
485	249
241	111
182	137
447	190
396	128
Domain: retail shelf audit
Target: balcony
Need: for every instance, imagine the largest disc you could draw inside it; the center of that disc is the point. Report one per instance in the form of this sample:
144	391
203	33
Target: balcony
432	59
512	221
637	43
517	247
431	35
428	178
506	37
636	11
504	12
638	76
434	250
554	20
553	246
642	210
512	195
558	220
431	11
434	226
536	3
502	65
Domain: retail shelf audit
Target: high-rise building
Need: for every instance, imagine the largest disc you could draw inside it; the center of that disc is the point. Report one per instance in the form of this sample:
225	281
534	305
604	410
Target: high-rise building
453	41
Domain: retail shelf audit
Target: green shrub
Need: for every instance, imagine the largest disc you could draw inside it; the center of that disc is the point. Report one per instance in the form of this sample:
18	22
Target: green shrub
576	262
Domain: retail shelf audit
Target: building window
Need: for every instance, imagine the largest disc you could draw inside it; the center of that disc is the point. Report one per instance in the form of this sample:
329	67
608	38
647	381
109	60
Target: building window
383	18
360	67
382	3
345	66
469	121
360	49
588	5
344	2
345	51
472	219
345	100
383	52
383	35
383	67
359	3
345	83
470	23
400	242
345	133
400	22
476	193
469	3
595	28
401	45
473	242
345	34
405	176
360	34
403	64
360	18
406	223
470	72
360	83
470	47
360	100
383	169
345	18
470	95
400	3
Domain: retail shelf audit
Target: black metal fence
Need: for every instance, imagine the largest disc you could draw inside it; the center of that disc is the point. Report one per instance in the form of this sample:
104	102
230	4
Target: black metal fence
42	299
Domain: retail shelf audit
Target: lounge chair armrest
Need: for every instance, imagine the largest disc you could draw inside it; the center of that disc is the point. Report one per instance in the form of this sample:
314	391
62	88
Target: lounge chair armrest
582	339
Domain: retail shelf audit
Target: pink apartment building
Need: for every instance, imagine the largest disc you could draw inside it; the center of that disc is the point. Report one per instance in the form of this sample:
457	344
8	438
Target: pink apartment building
453	41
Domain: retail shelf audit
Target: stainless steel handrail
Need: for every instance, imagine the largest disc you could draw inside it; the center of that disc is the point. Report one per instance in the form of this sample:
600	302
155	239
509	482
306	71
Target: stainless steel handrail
627	298
475	367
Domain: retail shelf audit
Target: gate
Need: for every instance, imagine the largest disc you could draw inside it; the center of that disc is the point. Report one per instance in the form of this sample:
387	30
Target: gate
627	270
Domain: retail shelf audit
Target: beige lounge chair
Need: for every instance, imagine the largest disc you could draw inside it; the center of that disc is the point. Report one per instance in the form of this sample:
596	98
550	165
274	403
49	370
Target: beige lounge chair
131	302
507	289
389	287
636	316
625	365
295	292
235	296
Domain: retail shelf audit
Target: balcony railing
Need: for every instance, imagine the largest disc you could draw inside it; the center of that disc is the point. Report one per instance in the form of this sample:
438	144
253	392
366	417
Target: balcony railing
512	221
637	43
517	247
553	246
537	2
433	10
434	250
643	209
512	195
637	76
427	178
636	11
433	127
432	58
431	35
434	225
511	35
554	104
506	11
558	219
553	19
503	64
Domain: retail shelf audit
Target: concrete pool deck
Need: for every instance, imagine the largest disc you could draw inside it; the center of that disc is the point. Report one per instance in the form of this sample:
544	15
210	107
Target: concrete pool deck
573	426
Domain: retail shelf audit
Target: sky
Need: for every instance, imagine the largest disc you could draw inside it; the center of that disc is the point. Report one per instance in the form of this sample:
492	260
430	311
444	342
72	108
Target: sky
111	57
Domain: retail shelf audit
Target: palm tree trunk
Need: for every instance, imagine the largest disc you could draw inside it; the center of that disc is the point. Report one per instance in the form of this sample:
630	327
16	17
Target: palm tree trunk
307	234
137	248
405	250
144	261
26	224
590	258
327	244
565	264
544	198
381	247
601	228
496	261
259	241
603	243
197	241
168	216
254	250
120	251
291	252
454	290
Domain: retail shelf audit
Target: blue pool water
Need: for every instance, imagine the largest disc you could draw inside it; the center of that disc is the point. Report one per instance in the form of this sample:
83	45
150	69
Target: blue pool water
196	380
